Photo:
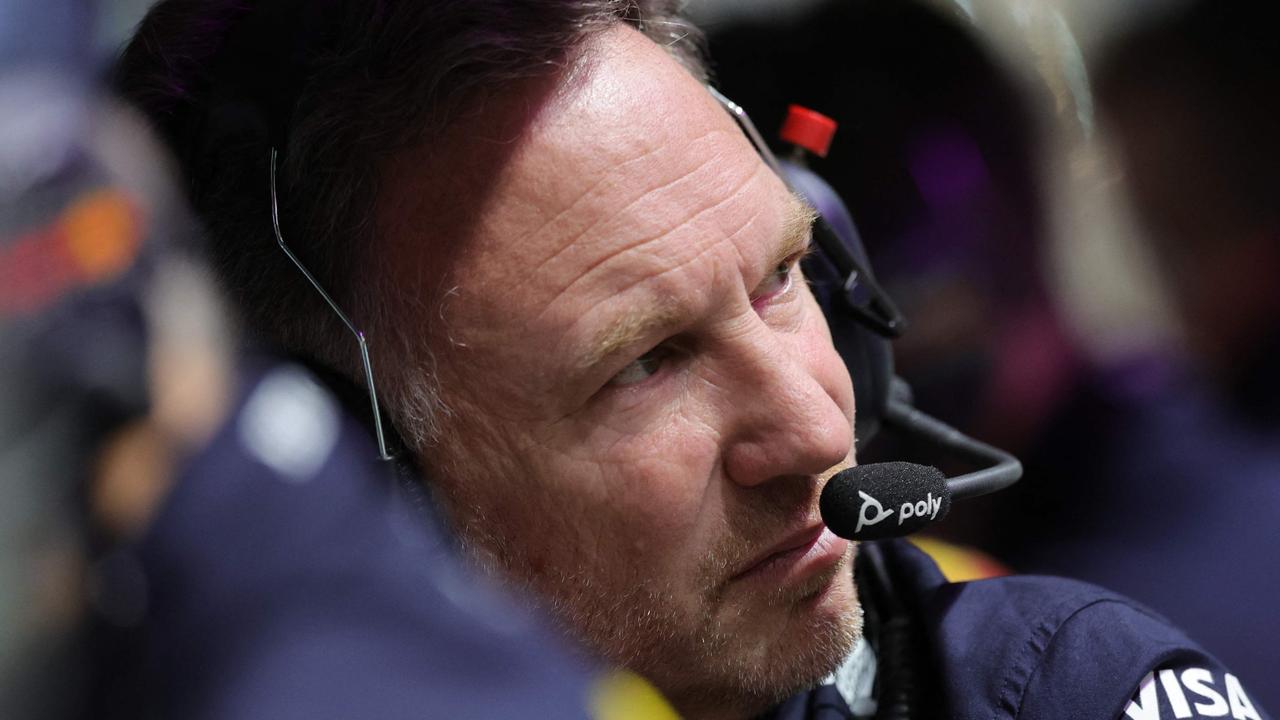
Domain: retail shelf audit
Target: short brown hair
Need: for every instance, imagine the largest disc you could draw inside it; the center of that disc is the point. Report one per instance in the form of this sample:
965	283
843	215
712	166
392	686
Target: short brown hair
336	85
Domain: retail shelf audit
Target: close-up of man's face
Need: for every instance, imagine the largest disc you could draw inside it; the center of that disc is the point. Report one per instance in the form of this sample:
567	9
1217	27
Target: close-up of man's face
643	401
485	359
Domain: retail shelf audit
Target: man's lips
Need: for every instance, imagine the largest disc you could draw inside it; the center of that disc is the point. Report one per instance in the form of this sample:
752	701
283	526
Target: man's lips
798	555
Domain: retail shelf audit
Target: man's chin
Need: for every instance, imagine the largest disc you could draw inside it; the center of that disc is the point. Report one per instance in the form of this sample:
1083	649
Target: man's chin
777	611
788	642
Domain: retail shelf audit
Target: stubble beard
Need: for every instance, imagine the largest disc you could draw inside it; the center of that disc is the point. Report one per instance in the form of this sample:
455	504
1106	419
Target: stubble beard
742	661
708	659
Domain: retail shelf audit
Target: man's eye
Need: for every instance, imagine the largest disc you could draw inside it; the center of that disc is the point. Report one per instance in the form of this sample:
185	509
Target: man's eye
640	369
776	283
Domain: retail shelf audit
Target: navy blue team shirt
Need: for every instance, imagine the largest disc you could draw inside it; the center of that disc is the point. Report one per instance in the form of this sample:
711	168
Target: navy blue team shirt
1041	648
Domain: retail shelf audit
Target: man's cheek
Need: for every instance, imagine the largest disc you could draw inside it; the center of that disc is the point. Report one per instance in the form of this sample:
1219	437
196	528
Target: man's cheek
653	486
657	492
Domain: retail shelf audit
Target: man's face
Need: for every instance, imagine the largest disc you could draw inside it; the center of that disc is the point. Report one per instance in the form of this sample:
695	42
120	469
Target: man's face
644	398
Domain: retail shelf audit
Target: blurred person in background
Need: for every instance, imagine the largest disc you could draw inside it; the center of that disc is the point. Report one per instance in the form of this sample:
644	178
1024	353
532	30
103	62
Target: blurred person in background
1178	501
1193	99
581	284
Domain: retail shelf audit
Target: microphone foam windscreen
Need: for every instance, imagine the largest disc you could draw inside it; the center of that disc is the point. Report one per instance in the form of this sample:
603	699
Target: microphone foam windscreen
883	500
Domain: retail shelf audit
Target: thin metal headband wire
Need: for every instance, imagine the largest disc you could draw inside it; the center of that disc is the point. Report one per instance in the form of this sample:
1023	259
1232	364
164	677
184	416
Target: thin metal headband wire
744	121
364	347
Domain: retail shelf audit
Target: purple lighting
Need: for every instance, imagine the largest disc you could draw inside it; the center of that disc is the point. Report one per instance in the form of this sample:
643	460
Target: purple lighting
947	167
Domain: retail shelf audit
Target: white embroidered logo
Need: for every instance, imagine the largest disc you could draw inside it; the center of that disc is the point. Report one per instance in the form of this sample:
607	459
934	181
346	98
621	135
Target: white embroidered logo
1204	699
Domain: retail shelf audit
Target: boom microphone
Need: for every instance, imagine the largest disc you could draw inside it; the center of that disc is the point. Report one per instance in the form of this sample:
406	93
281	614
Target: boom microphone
884	500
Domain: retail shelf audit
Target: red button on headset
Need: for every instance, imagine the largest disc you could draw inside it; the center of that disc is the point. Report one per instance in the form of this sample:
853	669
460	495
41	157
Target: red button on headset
808	129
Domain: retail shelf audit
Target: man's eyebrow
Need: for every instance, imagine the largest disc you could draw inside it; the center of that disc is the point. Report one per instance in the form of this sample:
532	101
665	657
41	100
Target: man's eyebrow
634	325
637	323
797	231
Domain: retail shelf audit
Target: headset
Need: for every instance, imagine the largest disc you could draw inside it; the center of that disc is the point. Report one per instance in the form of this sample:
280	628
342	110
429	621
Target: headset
861	316
862	319
254	81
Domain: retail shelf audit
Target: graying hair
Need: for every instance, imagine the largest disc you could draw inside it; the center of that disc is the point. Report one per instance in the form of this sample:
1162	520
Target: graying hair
384	75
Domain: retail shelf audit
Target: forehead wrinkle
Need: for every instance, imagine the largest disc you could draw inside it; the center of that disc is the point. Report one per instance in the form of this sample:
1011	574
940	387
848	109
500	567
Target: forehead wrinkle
596	265
582	197
793	238
619	169
638	323
612	174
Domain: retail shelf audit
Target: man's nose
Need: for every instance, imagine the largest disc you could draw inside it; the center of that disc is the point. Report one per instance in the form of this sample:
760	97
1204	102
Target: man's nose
788	419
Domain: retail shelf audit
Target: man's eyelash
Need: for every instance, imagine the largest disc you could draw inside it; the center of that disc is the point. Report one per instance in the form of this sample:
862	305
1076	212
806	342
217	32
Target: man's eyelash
782	270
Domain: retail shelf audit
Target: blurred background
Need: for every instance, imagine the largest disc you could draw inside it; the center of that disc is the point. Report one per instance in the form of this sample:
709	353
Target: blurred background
1074	204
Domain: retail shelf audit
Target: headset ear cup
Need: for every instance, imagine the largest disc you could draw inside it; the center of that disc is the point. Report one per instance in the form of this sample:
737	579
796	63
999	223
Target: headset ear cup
866	354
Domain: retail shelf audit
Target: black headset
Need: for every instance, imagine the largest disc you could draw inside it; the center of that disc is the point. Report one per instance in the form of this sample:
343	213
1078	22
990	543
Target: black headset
253	84
245	95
